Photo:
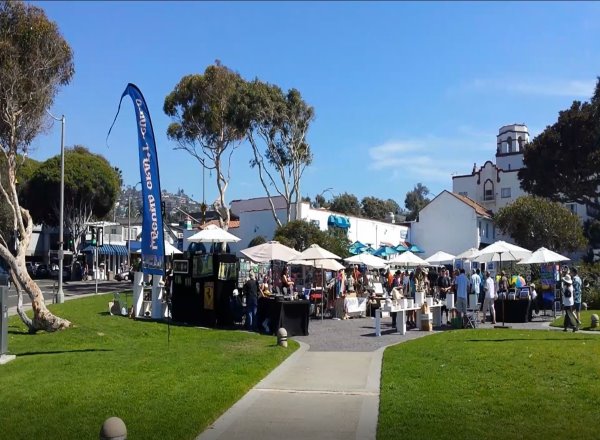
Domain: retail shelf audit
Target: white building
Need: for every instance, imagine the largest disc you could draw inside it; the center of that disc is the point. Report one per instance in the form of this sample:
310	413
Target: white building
453	223
495	185
256	218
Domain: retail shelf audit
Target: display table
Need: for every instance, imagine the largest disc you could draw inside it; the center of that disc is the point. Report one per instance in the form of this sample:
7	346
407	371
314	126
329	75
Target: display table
436	309
515	310
291	315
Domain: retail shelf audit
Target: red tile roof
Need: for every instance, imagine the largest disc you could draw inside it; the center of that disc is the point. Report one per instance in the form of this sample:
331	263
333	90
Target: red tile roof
479	209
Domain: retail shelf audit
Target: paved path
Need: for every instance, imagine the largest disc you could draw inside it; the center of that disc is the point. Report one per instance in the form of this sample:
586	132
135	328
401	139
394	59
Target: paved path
328	389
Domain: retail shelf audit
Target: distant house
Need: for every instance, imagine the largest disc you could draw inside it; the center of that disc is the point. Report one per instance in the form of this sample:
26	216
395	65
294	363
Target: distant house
453	223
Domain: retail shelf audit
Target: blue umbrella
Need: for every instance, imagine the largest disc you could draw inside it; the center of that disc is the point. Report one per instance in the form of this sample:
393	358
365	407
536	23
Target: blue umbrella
401	248
415	249
385	251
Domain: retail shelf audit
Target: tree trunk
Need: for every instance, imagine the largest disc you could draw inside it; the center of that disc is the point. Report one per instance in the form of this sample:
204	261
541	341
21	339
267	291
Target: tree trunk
43	319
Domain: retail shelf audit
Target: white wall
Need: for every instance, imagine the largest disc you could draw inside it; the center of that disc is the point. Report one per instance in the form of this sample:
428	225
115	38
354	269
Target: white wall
447	224
256	218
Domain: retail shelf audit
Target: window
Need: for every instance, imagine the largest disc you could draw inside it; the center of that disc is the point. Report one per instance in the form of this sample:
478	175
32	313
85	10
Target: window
315	222
487	230
463	193
505	193
572	207
509	145
488	190
113	231
480	229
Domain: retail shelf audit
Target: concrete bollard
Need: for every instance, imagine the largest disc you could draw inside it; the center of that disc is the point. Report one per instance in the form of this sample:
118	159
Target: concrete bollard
113	428
594	321
282	337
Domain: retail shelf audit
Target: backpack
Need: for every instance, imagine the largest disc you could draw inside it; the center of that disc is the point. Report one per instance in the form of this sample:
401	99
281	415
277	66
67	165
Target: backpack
567	293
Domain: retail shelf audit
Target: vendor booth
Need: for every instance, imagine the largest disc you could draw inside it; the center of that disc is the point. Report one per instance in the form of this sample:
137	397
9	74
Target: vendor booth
203	286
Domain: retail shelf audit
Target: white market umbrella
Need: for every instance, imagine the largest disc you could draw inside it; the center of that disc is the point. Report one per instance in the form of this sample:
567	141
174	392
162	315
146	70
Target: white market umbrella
271	250
314	253
501	251
169	249
440	257
543	255
368	260
468	254
408	259
213	234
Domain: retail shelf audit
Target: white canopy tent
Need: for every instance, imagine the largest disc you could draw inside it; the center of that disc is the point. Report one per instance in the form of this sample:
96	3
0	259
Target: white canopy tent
371	261
408	259
543	255
501	251
467	255
440	257
213	234
269	251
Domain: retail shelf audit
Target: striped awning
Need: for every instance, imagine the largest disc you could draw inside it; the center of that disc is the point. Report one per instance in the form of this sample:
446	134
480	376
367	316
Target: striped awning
108	249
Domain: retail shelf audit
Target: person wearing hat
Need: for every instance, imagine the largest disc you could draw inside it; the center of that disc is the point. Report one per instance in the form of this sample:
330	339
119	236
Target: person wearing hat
568	301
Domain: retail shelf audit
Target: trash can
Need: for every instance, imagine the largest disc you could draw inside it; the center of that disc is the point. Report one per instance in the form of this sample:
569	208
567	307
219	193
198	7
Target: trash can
110	275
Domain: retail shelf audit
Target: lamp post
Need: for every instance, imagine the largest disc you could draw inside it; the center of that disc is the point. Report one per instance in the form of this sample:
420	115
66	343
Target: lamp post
60	295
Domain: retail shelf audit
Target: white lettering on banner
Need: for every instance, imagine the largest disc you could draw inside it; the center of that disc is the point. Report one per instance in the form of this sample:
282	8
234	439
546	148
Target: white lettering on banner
154	232
138	102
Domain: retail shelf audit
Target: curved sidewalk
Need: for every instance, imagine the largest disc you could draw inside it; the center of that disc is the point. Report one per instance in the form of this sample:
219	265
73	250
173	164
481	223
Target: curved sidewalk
318	392
327	389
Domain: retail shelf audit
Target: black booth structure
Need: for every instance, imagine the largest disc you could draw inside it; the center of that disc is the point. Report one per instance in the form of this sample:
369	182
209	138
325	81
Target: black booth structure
203	286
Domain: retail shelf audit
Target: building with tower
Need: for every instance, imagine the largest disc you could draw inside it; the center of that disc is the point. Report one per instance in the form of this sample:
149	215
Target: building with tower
495	185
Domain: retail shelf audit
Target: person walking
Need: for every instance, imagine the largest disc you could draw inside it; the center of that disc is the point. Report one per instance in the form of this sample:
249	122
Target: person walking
476	284
576	293
461	294
250	290
568	301
490	296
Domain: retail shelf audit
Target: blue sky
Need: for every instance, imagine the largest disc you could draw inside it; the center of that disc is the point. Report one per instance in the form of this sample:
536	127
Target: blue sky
403	92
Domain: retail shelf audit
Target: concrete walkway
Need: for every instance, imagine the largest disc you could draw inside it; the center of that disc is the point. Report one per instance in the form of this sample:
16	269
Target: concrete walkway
326	390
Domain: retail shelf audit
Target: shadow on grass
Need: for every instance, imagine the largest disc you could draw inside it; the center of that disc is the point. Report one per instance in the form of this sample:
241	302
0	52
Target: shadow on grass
527	339
83	350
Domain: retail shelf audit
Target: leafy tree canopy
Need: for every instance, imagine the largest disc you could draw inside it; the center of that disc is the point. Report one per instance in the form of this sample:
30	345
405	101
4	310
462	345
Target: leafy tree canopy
89	179
378	209
562	162
259	239
416	200
299	235
345	204
534	222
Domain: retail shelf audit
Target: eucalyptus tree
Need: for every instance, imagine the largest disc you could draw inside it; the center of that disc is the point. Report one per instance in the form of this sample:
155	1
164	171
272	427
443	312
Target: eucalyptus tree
35	61
279	123
209	123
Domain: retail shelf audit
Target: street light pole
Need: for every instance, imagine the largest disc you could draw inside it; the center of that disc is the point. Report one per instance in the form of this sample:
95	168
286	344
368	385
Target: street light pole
129	225
60	295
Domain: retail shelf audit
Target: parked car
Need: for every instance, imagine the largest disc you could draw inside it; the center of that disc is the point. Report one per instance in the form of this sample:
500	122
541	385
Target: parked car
66	273
42	271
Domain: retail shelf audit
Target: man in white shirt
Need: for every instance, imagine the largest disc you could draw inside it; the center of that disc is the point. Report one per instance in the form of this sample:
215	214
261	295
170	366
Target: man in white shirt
475	283
490	296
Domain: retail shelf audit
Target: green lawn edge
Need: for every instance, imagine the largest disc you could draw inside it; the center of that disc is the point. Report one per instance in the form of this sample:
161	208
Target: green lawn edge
585	318
491	384
65	384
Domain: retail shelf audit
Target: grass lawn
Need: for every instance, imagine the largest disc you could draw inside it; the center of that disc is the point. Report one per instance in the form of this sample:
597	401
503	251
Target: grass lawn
64	385
586	320
492	384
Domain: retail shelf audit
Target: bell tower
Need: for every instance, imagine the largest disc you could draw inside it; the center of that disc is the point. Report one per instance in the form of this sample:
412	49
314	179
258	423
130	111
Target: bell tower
511	142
